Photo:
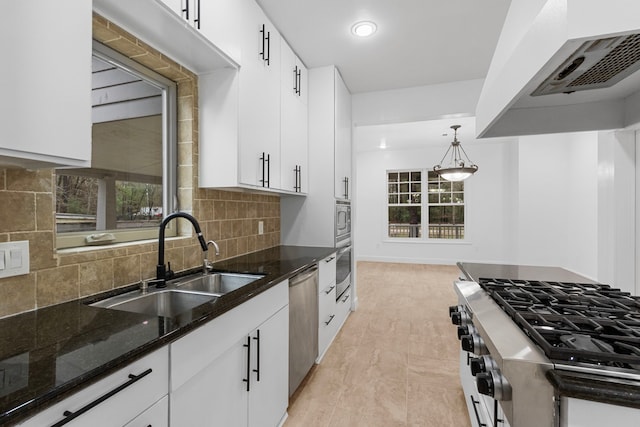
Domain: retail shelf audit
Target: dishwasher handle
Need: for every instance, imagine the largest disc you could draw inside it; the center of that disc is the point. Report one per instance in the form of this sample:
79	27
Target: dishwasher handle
303	276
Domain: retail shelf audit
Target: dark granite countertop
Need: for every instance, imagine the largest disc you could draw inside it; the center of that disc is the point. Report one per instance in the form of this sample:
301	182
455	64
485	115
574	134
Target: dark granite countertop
596	388
50	353
475	271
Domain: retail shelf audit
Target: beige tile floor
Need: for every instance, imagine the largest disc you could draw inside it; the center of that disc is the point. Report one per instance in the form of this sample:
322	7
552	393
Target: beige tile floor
395	361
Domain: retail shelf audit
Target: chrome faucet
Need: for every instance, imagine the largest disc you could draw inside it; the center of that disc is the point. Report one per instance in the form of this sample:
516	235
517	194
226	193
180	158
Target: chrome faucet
161	269
206	264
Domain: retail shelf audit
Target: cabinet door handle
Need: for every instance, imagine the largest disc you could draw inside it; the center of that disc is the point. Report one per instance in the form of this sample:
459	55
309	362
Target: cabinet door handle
70	416
248	346
185	9
196	20
263	53
265	169
257	370
298	176
296	89
329	259
475	409
328	291
330	319
266	39
268	170
268	47
299	81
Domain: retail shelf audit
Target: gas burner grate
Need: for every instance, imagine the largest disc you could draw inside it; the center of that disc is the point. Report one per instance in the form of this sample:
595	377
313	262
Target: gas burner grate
585	323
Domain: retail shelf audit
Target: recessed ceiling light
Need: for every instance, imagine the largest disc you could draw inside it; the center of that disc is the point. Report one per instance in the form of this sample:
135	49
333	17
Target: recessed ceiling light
364	28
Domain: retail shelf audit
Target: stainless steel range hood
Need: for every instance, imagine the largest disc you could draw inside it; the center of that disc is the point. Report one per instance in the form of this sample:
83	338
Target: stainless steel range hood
563	66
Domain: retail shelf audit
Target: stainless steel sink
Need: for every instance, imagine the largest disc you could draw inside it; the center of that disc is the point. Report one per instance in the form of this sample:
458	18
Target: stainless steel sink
217	283
165	303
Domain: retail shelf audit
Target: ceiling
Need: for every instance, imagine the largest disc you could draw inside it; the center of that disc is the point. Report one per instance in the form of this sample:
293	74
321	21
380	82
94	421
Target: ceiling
418	42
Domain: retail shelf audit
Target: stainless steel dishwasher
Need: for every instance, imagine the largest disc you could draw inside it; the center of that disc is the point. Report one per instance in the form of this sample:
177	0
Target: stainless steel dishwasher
303	325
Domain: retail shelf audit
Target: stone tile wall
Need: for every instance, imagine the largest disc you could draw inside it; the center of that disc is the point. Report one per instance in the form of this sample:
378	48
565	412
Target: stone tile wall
27	209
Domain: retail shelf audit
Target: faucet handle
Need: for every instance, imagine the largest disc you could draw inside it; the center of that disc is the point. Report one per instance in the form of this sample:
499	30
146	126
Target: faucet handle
170	272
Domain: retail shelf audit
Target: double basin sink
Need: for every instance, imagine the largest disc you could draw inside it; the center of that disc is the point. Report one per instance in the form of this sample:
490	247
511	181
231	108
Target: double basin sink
180	295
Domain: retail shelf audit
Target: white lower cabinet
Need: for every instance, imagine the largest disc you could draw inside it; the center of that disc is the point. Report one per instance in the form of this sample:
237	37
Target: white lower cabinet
332	312
234	370
134	391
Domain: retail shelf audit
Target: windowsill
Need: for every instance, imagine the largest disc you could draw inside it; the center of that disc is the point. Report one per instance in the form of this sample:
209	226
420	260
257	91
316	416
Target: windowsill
89	248
427	241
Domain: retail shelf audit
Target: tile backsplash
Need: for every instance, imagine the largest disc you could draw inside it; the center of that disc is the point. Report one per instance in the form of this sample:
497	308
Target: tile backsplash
27	211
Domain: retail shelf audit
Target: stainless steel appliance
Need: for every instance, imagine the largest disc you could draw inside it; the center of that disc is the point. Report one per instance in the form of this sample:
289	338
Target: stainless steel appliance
343	268
534	351
343	221
303	325
343	244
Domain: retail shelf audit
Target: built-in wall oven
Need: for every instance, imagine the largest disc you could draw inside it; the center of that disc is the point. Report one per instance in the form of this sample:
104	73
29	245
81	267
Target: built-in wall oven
343	246
343	269
343	221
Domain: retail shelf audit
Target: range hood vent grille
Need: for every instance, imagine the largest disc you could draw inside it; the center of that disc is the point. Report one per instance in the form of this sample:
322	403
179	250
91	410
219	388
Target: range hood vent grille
596	64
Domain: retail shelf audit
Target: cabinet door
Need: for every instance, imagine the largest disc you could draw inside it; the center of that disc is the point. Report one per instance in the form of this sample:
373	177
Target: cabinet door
294	122
342	139
216	396
45	117
221	21
259	100
268	397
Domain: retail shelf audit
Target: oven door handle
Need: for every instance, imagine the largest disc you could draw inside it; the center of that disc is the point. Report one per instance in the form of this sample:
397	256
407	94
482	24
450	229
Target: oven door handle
344	250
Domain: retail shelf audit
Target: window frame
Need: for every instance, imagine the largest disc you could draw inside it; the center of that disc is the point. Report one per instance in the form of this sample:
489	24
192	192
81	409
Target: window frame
424	211
169	158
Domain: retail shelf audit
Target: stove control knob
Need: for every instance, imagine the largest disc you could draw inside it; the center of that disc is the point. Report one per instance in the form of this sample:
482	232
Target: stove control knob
477	365
474	343
463	330
460	318
482	364
494	384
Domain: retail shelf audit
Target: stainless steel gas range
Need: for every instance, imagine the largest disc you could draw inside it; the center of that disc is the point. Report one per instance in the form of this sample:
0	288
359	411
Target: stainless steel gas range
543	353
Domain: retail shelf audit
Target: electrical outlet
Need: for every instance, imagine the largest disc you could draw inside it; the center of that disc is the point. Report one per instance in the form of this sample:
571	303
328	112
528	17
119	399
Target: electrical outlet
15	258
260	227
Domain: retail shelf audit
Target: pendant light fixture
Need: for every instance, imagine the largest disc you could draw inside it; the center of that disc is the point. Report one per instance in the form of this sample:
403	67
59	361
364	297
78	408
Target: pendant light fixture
457	169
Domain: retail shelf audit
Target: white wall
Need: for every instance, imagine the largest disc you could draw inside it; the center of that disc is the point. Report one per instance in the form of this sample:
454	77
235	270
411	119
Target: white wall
416	103
566	200
487	196
557	201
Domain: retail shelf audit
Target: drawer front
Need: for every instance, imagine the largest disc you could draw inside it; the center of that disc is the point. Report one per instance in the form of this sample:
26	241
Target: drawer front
327	271
121	407
343	307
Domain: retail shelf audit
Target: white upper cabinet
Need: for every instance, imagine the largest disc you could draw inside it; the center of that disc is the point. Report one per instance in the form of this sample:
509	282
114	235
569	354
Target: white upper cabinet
294	121
217	20
45	111
259	101
253	123
342	139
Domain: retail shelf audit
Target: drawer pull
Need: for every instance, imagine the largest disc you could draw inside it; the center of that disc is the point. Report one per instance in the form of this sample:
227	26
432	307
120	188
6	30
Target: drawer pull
248	379
328	291
70	416
328	260
475	409
346	297
330	319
